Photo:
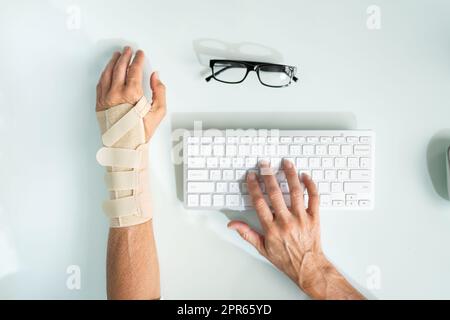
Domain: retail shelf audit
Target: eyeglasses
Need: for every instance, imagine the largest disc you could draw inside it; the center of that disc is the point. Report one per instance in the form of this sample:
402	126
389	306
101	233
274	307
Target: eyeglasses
269	74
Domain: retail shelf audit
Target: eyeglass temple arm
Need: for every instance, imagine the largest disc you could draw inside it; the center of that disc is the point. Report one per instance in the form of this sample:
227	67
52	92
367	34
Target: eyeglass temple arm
217	73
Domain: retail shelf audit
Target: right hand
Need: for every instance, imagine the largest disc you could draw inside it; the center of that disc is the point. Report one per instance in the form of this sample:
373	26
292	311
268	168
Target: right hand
292	235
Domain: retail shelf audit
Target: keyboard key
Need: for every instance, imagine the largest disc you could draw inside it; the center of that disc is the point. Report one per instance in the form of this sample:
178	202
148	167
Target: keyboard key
326	140
302	163
334	150
340	162
314	162
357	187
346	150
283	150
225	162
220	140
336	187
272	140
192	200
205	200
364	163
232	140
218	200
284	187
228	175
362	150
251	162
364	203
360	175
351	203
244	150
206	140
312	139
215	175
196	162
233	187
365	140
193	150
330	175
232	200
240	175
295	151
321	150
231	150
353	162
237	162
196	175
343	175
212	162
325	200
324	187
218	150
221	187
317	175
285	139
352	139
299	140
338	203
327	162
308	150
193	140
200	187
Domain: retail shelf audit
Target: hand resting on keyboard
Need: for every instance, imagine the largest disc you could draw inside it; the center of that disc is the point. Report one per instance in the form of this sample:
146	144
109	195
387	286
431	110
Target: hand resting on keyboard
291	239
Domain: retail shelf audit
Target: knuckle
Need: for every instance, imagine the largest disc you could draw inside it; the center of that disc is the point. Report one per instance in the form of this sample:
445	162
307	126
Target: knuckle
296	192
275	195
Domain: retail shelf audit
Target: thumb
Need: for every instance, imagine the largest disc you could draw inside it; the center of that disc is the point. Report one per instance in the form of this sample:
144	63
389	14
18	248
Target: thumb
249	235
158	92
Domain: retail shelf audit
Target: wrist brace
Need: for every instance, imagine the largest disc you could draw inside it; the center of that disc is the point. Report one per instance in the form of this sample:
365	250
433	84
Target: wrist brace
125	156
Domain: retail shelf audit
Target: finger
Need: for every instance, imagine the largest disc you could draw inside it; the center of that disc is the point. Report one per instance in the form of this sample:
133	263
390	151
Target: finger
135	70
158	109
120	69
249	235
313	195
158	91
295	188
273	190
106	77
259	203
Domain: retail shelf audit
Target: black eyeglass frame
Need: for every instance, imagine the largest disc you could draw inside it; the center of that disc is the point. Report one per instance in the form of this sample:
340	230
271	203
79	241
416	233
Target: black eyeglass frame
252	66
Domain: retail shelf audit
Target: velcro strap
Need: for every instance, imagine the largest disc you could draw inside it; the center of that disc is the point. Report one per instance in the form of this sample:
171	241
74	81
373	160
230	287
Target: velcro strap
126	123
120	207
117	157
121	180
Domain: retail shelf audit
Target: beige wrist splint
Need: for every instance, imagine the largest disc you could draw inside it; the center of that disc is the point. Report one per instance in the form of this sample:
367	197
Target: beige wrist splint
125	156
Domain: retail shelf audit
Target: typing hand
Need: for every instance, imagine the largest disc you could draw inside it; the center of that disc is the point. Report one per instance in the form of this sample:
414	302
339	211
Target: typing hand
292	235
121	82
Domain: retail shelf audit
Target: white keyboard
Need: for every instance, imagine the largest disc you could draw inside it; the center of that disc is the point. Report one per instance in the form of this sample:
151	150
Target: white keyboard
341	163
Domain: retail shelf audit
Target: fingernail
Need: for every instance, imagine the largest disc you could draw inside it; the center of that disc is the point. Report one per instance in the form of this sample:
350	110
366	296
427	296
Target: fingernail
304	176
232	227
287	164
263	164
156	75
251	176
126	48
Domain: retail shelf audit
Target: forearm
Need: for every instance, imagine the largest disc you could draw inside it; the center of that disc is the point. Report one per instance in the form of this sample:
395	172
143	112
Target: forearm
132	263
321	280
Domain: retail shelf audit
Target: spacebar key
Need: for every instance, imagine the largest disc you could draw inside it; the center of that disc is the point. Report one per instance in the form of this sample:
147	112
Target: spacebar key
357	187
200	187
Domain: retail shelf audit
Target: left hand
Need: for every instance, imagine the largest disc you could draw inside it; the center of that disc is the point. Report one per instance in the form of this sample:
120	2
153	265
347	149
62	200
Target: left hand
121	82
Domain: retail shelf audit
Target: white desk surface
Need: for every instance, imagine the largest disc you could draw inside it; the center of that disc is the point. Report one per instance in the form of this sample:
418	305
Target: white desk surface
394	80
